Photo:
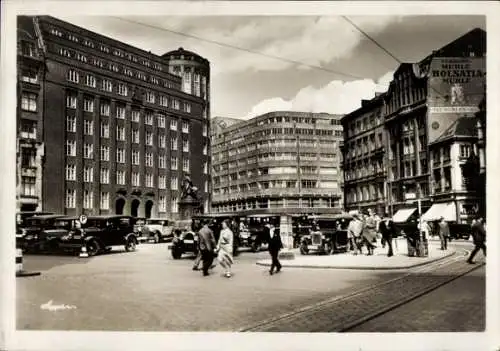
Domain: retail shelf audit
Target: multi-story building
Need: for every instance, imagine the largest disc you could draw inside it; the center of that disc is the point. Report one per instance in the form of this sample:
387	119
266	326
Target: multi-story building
429	131
364	156
278	163
119	133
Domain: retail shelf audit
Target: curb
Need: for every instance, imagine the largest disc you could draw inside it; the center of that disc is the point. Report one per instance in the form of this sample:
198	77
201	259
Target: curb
27	274
363	268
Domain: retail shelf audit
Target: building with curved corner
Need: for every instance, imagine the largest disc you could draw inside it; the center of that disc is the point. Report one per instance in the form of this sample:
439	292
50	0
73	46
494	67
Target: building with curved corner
119	130
277	163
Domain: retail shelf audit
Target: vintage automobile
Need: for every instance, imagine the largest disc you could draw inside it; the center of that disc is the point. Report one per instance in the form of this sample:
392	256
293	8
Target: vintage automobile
157	229
100	233
328	235
186	241
30	236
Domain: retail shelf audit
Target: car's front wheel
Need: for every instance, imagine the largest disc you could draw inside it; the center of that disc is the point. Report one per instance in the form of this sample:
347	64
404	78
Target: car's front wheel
92	248
130	245
256	246
303	249
176	253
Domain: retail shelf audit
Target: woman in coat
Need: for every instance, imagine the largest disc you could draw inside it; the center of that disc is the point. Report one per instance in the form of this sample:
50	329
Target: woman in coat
225	249
370	231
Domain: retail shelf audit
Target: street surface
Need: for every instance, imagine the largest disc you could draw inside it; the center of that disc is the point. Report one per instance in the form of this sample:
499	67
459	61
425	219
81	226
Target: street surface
147	290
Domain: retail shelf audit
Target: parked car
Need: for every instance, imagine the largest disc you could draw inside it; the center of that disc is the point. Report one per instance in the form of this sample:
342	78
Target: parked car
158	229
184	242
257	230
328	235
100	233
30	236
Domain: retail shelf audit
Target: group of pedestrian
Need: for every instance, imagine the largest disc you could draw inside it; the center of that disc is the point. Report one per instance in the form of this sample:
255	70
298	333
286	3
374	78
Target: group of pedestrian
208	249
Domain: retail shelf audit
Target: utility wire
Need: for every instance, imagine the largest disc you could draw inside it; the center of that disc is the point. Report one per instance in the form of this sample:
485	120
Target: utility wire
241	48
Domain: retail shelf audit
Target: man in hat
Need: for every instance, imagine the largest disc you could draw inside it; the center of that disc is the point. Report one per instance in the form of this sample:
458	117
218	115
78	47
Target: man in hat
388	231
479	237
354	231
444	233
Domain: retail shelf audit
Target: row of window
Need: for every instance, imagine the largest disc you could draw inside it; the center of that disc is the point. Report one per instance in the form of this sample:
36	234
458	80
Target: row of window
122	89
274	203
104	201
276	143
364	145
366	193
266	133
364	170
273	156
276	184
361	125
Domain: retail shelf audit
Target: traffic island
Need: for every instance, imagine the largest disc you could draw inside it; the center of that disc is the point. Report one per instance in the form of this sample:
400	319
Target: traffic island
378	261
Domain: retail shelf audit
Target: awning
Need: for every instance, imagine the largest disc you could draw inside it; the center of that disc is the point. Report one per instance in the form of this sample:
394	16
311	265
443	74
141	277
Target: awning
446	210
403	215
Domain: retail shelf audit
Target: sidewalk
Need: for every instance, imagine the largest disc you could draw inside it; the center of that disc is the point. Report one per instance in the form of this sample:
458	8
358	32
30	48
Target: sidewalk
379	260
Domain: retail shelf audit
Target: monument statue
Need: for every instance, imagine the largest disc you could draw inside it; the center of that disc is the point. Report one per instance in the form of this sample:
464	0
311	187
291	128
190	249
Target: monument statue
188	189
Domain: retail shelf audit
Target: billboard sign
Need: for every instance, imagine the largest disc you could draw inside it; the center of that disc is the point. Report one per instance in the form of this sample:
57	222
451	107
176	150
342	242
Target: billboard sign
456	86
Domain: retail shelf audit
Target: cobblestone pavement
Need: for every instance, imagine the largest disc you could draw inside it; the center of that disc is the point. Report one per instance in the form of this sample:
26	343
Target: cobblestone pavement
455	307
341	314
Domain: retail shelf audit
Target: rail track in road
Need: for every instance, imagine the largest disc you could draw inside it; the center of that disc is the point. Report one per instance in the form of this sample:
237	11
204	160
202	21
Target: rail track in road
341	314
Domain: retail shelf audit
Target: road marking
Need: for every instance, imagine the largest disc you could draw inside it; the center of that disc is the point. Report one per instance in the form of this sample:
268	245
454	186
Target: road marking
53	308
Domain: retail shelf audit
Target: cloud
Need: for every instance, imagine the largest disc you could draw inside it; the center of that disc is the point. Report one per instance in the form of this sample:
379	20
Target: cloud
337	97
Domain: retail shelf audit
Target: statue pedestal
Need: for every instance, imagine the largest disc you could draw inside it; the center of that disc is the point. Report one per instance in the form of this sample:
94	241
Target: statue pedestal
188	207
287	238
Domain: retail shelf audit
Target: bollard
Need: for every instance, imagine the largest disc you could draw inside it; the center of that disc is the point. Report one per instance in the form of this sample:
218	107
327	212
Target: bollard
83	252
20	272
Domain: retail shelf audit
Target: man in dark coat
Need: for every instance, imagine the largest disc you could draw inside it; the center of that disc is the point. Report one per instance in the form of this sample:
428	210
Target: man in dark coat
444	233
388	231
207	247
275	245
479	237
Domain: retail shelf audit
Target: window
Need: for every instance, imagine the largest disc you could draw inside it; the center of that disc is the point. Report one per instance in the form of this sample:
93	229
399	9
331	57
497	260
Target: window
135	157
70	148
185	127
205	168
88	150
135	136
176	104
104	49
104	205
204	130
71	124
187	107
120	112
70	172
90	81
107	85
174	183
162	182
28	157
149	180
185	165
205	149
148	118
105	108
104	153
173	124
173	163
185	145
104	130
64	52
120	177
141	75
70	198
465	151
73	38
174	206
122	89
88	174
206	186
136	179
81	57
88	43
73	76
88	127
135	116
162	141
88	199
113	67
28	186
173	143
104	176
163	100
29	102
120	155
162	203
128	72
161	121
120	133
162	161
149	138
28	49
149	159
154	80
30	75
150	97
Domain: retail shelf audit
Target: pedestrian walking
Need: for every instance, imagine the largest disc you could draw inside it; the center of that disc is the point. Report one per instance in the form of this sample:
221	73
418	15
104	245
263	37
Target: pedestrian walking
479	237
388	231
354	230
370	231
225	249
444	233
197	260
207	246
275	245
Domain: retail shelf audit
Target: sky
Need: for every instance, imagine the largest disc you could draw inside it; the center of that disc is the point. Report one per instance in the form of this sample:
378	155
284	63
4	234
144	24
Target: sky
300	63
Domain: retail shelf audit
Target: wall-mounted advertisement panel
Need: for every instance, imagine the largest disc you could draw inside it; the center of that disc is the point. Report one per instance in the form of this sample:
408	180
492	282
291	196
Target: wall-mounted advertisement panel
456	86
